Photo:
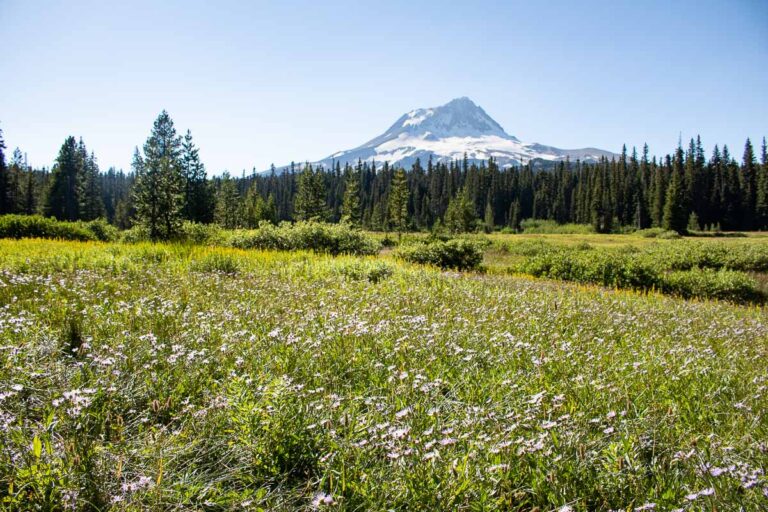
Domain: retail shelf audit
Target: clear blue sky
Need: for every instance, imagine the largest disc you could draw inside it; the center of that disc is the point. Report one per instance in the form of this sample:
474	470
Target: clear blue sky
263	82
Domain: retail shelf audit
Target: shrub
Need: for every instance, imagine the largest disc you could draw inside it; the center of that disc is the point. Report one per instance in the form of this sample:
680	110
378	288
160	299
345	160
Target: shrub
102	230
366	271
136	234
712	284
35	226
650	232
310	235
216	262
552	227
615	270
668	235
201	234
530	247
455	254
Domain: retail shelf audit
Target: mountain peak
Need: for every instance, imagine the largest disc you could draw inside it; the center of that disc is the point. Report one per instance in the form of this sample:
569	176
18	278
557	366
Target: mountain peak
461	100
460	117
450	131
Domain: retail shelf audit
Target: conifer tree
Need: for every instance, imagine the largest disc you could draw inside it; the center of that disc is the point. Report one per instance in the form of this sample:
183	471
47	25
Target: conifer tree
514	215
398	201
90	198
228	203
198	194
460	217
61	199
761	199
350	210
159	187
5	182
749	185
488	223
675	209
732	194
309	203
29	194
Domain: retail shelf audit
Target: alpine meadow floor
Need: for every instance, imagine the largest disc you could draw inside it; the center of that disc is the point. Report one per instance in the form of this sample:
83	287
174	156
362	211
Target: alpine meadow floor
173	377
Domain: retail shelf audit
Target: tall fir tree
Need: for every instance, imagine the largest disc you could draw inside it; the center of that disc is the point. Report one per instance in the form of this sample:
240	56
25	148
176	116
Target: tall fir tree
761	199
198	193
310	201
91	202
350	210
5	181
159	186
228	208
749	185
460	216
62	196
398	201
675	207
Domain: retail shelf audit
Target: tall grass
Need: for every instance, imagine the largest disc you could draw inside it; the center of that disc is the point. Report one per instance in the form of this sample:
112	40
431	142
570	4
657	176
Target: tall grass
159	377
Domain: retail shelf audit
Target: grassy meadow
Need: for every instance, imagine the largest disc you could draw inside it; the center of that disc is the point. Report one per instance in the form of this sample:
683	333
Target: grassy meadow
180	377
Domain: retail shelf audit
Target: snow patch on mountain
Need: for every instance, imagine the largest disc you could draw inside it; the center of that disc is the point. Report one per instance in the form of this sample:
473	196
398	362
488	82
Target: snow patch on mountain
448	132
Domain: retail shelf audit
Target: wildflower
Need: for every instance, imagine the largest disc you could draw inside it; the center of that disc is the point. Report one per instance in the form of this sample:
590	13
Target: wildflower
403	413
322	499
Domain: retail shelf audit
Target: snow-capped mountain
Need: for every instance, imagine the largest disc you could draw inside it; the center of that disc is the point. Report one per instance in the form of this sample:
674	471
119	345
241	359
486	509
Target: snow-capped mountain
449	131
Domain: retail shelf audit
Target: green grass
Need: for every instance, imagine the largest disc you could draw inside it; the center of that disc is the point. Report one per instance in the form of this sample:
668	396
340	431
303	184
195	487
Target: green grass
176	377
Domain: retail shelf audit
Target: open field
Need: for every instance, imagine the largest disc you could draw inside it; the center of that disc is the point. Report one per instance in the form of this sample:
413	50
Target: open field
181	377
497	258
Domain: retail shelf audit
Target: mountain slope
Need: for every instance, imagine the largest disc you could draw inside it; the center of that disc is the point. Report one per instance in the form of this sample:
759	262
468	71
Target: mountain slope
448	132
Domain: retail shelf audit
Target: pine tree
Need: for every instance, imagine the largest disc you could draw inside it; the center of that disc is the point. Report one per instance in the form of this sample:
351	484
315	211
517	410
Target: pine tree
514	215
601	209
310	201
397	205
675	209
488	223
5	182
198	194
659	195
228	206
91	202
61	199
158	191
351	206
732	194
749	185
460	217
29	193
761	199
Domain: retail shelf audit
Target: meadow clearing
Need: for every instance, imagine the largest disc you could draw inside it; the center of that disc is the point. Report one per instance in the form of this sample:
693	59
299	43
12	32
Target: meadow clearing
176	377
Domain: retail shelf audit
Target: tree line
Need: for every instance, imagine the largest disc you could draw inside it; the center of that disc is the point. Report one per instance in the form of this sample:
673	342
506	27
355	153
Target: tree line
168	184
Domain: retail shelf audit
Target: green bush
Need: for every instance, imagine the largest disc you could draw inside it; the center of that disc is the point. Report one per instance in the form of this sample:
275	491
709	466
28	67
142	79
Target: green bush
458	254
136	234
201	234
310	235
644	271
102	230
366	271
35	226
712	284
538	226
614	270
668	235
650	232
216	262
